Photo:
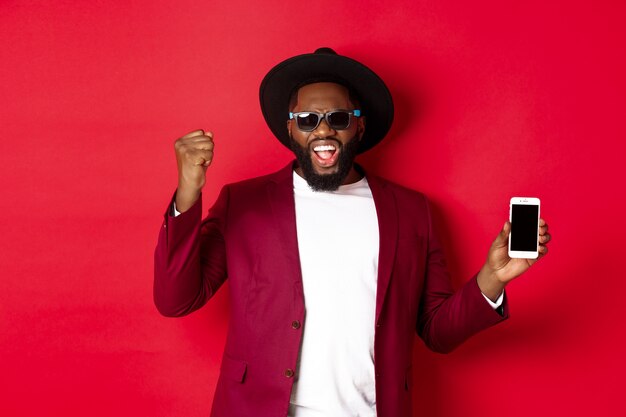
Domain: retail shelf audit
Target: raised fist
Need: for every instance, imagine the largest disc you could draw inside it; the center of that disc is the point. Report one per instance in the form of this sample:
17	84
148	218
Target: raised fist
194	153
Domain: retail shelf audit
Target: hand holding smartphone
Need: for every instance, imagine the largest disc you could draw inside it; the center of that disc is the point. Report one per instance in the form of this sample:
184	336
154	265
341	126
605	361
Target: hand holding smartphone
524	237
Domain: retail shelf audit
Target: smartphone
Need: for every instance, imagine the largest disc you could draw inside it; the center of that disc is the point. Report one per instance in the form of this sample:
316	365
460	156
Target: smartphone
524	237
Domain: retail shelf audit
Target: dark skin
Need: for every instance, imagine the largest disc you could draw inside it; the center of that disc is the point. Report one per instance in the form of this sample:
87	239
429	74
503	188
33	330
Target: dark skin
321	98
194	153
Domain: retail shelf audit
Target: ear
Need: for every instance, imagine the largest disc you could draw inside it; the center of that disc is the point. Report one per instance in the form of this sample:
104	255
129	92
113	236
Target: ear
360	127
289	126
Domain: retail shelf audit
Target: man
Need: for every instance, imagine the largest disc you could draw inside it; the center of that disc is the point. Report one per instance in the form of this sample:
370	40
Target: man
331	270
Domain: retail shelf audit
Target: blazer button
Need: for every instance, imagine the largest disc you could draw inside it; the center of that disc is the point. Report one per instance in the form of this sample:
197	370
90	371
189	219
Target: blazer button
295	324
289	373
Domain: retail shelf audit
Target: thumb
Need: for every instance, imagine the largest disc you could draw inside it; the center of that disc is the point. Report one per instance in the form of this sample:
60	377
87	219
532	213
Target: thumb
503	237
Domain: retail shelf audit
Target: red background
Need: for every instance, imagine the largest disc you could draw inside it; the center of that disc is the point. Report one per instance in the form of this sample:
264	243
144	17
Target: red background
493	100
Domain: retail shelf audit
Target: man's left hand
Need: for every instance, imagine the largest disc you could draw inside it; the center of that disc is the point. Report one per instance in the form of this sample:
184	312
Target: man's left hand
500	269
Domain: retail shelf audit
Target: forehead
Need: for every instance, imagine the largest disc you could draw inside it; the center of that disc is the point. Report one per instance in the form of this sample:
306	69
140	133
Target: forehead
324	94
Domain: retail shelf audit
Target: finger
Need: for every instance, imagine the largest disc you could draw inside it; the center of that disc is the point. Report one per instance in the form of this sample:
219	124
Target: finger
203	161
202	158
543	250
545	238
206	136
542	222
183	146
503	237
201	142
198	132
205	146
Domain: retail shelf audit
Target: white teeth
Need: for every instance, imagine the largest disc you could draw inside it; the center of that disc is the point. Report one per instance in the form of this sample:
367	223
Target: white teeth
322	148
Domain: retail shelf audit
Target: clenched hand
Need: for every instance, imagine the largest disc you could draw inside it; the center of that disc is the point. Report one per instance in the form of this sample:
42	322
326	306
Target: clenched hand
194	153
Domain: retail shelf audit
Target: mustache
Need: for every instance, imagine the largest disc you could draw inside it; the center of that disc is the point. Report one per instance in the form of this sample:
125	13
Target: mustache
324	139
316	138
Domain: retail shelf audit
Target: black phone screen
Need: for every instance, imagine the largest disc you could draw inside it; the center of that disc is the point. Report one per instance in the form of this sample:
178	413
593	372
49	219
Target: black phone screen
524	224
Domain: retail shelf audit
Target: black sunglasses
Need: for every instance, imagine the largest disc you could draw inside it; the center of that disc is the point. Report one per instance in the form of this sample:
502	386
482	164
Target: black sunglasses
308	121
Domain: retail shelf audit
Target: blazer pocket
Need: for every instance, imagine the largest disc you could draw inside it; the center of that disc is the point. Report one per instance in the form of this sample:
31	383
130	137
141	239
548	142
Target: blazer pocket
233	369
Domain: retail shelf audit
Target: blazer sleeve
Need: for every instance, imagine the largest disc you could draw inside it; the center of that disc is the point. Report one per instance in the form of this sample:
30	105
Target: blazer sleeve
447	318
190	258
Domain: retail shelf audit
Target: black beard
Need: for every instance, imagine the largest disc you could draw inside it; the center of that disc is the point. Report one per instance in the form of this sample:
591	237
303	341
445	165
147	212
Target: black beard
326	182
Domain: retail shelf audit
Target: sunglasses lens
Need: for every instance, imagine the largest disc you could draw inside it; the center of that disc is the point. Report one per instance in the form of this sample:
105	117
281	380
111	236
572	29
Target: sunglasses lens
307	121
339	119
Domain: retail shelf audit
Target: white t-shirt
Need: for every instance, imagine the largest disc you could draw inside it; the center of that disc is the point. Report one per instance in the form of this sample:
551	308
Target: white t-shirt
338	241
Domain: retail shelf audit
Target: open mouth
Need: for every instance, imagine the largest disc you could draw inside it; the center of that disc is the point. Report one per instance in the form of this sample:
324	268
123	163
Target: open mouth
325	154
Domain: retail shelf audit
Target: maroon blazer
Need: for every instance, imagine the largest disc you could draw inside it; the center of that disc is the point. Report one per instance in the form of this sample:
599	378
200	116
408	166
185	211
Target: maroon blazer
249	236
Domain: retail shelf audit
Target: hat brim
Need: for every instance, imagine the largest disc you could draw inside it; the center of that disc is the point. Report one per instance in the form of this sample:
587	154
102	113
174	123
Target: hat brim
276	88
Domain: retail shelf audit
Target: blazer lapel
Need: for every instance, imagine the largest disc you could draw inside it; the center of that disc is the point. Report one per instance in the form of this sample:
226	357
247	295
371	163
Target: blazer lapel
280	194
387	213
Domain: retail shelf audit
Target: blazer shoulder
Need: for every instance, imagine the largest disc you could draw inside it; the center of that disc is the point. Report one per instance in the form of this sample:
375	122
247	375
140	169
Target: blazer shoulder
256	183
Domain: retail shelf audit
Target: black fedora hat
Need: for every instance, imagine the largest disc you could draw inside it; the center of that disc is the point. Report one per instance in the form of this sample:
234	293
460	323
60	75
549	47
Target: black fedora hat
326	65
